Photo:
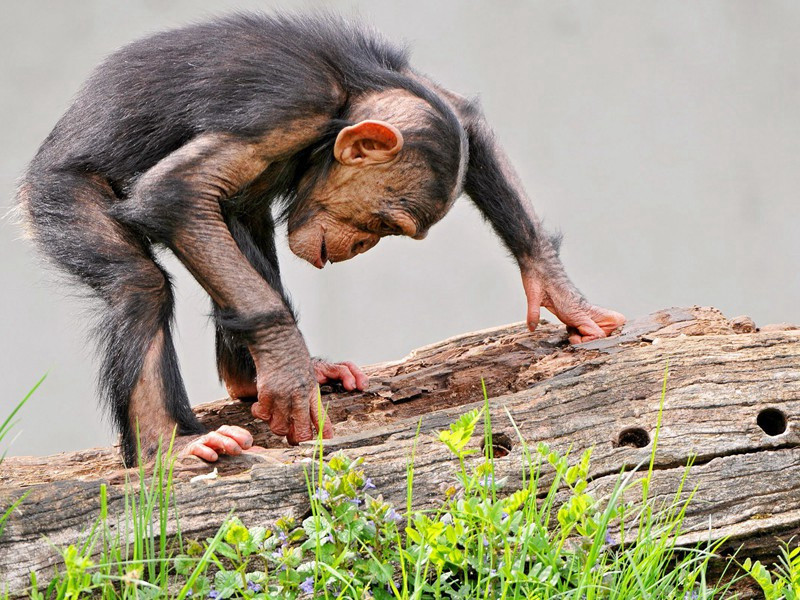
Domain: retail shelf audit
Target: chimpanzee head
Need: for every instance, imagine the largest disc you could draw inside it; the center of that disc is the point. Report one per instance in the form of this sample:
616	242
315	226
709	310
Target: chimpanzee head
394	175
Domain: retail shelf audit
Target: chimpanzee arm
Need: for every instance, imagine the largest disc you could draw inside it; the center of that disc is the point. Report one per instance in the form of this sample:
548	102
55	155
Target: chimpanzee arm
178	201
495	188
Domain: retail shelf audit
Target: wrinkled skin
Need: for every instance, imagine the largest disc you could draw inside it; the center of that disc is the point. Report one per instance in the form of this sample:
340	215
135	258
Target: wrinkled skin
234	440
585	322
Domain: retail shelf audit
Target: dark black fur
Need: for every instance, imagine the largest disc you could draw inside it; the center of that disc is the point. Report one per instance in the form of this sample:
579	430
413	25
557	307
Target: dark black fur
242	75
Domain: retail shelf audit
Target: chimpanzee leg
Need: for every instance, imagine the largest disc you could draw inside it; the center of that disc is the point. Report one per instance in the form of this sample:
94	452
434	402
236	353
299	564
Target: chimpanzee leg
235	365
139	375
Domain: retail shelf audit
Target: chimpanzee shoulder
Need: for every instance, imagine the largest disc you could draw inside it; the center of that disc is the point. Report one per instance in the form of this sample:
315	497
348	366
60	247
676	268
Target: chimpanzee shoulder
244	74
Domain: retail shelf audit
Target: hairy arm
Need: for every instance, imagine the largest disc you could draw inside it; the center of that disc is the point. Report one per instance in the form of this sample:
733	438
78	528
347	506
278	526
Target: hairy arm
179	198
495	188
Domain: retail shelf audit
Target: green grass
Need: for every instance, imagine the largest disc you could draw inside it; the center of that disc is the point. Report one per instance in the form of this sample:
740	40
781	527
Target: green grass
5	429
552	538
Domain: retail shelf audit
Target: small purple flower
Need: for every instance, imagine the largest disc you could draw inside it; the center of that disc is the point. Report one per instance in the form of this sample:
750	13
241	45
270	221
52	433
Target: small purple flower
355	501
307	587
392	515
213	594
504	518
329	538
368	485
282	537
609	539
253	587
321	495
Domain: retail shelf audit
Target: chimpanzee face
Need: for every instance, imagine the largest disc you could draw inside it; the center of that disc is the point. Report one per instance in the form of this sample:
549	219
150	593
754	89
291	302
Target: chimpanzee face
374	189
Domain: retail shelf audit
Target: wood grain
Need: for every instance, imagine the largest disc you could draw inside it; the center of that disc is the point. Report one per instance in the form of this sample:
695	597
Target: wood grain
603	395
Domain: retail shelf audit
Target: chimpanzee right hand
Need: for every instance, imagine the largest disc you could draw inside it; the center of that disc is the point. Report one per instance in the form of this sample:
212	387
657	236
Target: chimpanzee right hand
288	394
585	322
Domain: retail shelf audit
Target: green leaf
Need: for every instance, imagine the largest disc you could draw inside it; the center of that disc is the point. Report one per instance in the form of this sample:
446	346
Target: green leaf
227	551
227	583
201	587
183	564
414	535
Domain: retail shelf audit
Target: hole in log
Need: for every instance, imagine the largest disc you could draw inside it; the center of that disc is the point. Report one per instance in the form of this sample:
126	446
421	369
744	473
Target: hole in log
772	421
501	445
635	437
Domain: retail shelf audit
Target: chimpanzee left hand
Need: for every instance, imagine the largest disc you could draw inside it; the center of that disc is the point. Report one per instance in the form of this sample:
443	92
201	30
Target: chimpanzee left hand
351	377
585	322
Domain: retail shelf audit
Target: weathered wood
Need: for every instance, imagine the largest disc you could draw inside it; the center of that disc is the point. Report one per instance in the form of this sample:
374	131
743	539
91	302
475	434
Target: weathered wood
604	395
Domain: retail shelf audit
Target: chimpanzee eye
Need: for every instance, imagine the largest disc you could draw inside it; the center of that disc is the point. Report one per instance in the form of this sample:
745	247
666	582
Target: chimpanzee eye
387	228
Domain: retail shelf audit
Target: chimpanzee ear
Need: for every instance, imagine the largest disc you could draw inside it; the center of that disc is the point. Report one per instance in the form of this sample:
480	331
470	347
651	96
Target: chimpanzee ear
368	143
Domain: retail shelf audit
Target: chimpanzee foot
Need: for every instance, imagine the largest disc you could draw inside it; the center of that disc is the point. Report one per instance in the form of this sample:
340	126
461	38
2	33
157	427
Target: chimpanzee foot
228	439
245	391
351	377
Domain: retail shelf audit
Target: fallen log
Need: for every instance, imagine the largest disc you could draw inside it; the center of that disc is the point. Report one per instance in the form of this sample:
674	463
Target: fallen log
732	407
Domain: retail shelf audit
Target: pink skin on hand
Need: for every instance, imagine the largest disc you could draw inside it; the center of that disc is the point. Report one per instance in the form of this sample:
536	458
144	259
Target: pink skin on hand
300	425
585	322
303	422
349	374
228	439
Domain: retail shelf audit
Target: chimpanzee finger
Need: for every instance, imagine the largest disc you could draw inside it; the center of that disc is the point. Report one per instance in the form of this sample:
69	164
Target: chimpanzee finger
589	330
300	426
221	444
584	331
576	316
198	448
344	375
362	381
280	423
325	371
327	427
262	409
575	336
240	435
275	415
534	293
607	320
533	316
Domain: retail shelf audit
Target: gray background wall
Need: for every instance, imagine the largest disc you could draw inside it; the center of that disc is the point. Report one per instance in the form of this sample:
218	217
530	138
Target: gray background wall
663	138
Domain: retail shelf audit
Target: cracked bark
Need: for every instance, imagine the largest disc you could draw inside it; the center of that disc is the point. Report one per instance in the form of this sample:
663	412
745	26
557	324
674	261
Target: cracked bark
723	374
